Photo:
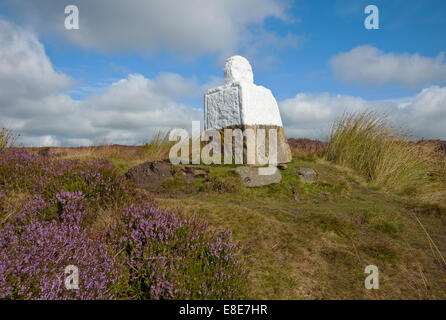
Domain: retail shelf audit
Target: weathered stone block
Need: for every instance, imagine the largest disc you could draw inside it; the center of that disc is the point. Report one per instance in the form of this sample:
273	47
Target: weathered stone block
251	178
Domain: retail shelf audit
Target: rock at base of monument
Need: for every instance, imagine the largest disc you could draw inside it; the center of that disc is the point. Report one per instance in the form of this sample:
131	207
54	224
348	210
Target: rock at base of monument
251	178
283	149
282	166
307	175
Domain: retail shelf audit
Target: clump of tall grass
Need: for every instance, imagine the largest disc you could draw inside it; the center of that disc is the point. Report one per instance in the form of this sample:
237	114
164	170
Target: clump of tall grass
367	142
8	137
158	147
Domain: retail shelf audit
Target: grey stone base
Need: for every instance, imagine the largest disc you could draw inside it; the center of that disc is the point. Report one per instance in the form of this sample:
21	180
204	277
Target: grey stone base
251	177
283	149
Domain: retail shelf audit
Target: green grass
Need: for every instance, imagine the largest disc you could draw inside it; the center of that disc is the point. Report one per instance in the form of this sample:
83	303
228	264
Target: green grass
313	241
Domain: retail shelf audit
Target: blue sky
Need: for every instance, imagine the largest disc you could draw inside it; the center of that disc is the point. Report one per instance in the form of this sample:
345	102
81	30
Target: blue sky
292	46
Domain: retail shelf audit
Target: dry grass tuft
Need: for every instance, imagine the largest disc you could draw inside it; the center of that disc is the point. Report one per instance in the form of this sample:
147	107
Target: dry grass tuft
366	142
158	147
8	137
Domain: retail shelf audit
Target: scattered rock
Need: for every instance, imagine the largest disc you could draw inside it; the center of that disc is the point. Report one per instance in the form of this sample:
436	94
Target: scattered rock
150	175
282	166
192	173
251	178
307	175
195	172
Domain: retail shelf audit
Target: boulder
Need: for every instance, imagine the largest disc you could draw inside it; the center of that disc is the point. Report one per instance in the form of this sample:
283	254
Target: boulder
251	178
150	175
192	173
307	175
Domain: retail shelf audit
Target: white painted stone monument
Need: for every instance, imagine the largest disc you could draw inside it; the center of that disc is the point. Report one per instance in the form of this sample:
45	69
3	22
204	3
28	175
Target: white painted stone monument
242	104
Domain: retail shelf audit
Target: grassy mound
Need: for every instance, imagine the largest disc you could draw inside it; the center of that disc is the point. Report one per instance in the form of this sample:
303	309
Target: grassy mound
296	240
313	241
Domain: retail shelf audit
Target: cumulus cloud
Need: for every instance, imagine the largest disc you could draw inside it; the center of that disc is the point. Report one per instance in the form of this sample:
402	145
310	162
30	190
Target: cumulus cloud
176	86
425	114
311	115
134	104
185	27
33	101
25	71
367	65
128	112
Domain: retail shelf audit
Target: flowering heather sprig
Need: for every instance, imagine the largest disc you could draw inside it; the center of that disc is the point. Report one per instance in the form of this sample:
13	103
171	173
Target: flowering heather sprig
34	208
71	207
32	262
171	257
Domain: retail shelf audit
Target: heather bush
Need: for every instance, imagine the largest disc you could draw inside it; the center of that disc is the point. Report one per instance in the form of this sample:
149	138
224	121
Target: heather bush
34	254
145	252
171	257
46	175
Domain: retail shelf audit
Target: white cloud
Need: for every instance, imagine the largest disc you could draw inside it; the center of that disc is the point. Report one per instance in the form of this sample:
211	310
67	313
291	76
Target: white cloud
26	73
367	65
425	114
175	86
135	104
128	112
33	101
184	27
311	115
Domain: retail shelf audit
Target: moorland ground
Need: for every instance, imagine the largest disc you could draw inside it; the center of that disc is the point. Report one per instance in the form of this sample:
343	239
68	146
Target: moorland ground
313	241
